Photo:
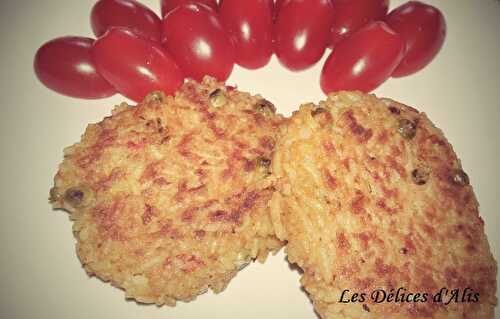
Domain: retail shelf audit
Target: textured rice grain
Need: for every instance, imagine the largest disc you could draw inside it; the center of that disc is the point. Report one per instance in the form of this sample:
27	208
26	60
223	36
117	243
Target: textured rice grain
372	196
168	197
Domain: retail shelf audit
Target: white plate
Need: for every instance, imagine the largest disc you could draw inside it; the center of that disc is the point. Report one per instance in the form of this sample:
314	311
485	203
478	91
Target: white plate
41	276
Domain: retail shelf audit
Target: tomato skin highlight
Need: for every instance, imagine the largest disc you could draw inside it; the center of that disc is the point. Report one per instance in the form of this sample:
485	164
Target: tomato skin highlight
351	15
249	24
129	14
65	65
364	60
138	67
302	32
194	35
424	29
169	5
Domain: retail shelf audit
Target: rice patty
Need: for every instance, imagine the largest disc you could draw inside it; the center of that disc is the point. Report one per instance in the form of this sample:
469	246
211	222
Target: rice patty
170	197
372	196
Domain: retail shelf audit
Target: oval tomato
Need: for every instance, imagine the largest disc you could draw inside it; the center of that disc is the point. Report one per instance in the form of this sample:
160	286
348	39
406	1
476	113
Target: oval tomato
302	32
65	66
424	29
135	66
364	60
250	25
351	15
277	7
194	35
169	5
125	13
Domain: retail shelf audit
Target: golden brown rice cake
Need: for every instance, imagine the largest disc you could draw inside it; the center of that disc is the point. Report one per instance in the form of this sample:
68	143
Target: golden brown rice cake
170	197
371	196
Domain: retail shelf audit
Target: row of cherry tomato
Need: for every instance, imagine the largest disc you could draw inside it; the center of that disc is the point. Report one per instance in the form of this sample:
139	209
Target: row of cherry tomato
137	52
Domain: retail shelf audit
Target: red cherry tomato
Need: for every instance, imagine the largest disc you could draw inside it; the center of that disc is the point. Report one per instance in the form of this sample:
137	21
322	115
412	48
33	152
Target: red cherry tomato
302	32
277	7
364	60
423	28
169	5
194	35
125	13
351	15
250	25
135	66
65	66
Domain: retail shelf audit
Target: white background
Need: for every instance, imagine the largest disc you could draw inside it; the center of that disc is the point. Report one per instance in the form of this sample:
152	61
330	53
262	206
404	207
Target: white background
40	275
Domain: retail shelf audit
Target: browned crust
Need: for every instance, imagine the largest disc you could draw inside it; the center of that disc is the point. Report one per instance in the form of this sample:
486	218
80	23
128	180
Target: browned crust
355	219
173	206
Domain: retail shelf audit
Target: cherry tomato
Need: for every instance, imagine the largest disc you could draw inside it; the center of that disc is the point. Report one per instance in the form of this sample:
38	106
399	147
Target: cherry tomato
351	15
364	60
125	13
169	5
277	7
302	32
250	25
135	66
423	28
194	35
65	66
